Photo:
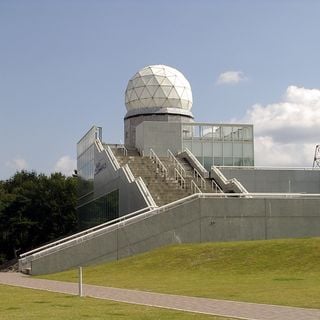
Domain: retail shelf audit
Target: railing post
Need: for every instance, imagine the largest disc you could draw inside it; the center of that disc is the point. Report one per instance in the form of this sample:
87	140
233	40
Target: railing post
80	282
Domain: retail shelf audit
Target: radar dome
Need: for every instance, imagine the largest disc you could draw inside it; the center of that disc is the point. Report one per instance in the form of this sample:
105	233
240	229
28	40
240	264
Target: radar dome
158	86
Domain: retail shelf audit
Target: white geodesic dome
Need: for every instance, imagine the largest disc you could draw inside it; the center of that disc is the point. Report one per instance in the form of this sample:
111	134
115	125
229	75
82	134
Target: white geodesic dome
158	86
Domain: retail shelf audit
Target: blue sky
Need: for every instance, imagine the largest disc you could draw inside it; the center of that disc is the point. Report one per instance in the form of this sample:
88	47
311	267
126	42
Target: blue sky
64	66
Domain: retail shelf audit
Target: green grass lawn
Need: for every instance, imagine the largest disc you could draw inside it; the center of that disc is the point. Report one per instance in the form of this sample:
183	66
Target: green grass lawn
285	272
19	303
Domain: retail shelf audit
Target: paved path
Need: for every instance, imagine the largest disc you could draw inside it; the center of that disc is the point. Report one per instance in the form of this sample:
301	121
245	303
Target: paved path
240	310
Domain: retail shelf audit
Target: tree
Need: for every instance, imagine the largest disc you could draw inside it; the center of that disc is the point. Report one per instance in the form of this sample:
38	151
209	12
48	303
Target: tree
35	209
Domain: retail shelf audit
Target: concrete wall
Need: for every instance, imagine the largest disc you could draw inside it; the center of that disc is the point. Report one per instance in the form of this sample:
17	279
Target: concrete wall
108	179
160	136
131	124
273	180
198	220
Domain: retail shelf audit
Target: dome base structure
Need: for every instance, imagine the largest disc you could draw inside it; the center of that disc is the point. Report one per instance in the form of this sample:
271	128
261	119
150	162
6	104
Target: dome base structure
132	120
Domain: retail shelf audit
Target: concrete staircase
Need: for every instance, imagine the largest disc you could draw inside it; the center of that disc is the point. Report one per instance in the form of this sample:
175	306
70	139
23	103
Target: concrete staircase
205	186
163	190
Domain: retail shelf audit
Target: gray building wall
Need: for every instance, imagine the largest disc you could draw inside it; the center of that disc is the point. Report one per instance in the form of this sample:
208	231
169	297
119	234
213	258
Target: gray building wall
159	136
107	179
131	123
276	180
197	220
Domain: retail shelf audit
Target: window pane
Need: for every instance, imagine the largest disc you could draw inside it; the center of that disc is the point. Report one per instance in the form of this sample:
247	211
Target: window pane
247	133
227	133
227	149
217	149
217	133
227	161
197	148
237	149
207	149
237	133
247	150
218	161
206	132
237	161
207	162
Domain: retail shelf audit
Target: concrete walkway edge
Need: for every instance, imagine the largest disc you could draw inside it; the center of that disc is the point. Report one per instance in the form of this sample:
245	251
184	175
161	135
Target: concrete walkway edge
225	308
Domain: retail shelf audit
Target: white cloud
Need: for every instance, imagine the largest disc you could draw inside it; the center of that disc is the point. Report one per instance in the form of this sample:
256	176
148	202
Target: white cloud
231	77
65	165
269	152
17	164
286	132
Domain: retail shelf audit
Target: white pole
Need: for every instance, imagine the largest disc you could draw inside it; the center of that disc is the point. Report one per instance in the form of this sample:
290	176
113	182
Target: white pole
80	282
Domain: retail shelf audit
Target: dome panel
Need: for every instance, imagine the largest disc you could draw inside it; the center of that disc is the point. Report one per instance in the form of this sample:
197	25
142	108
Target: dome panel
159	93
176	103
166	82
158	86
160	79
145	94
185	104
153	82
139	91
159	101
152	89
179	90
173	94
138	82
167	104
145	102
130	86
136	104
158	71
146	71
134	96
167	90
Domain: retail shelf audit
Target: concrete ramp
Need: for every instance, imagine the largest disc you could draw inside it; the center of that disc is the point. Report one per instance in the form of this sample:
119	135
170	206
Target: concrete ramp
197	218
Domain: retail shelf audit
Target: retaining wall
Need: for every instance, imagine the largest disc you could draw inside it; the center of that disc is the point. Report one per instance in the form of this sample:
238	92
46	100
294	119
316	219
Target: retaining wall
198	220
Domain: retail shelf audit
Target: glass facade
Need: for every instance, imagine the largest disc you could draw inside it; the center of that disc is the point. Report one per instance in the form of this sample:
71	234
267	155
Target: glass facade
219	144
92	211
85	160
99	210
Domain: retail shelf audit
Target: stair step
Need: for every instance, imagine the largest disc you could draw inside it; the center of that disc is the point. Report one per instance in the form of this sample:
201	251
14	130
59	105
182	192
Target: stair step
163	191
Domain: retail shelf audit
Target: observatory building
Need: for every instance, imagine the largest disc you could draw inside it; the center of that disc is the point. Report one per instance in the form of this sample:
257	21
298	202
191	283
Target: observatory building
159	102
158	125
175	180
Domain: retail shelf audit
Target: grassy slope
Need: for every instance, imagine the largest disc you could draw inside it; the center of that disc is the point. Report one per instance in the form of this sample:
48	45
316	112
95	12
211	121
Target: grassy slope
278	272
22	304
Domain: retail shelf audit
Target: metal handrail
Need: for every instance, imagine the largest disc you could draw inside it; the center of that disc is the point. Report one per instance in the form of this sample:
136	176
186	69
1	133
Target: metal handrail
215	186
100	145
125	150
194	188
128	173
112	158
268	168
178	177
229	182
176	163
239	185
85	232
219	174
198	177
159	164
196	162
145	192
